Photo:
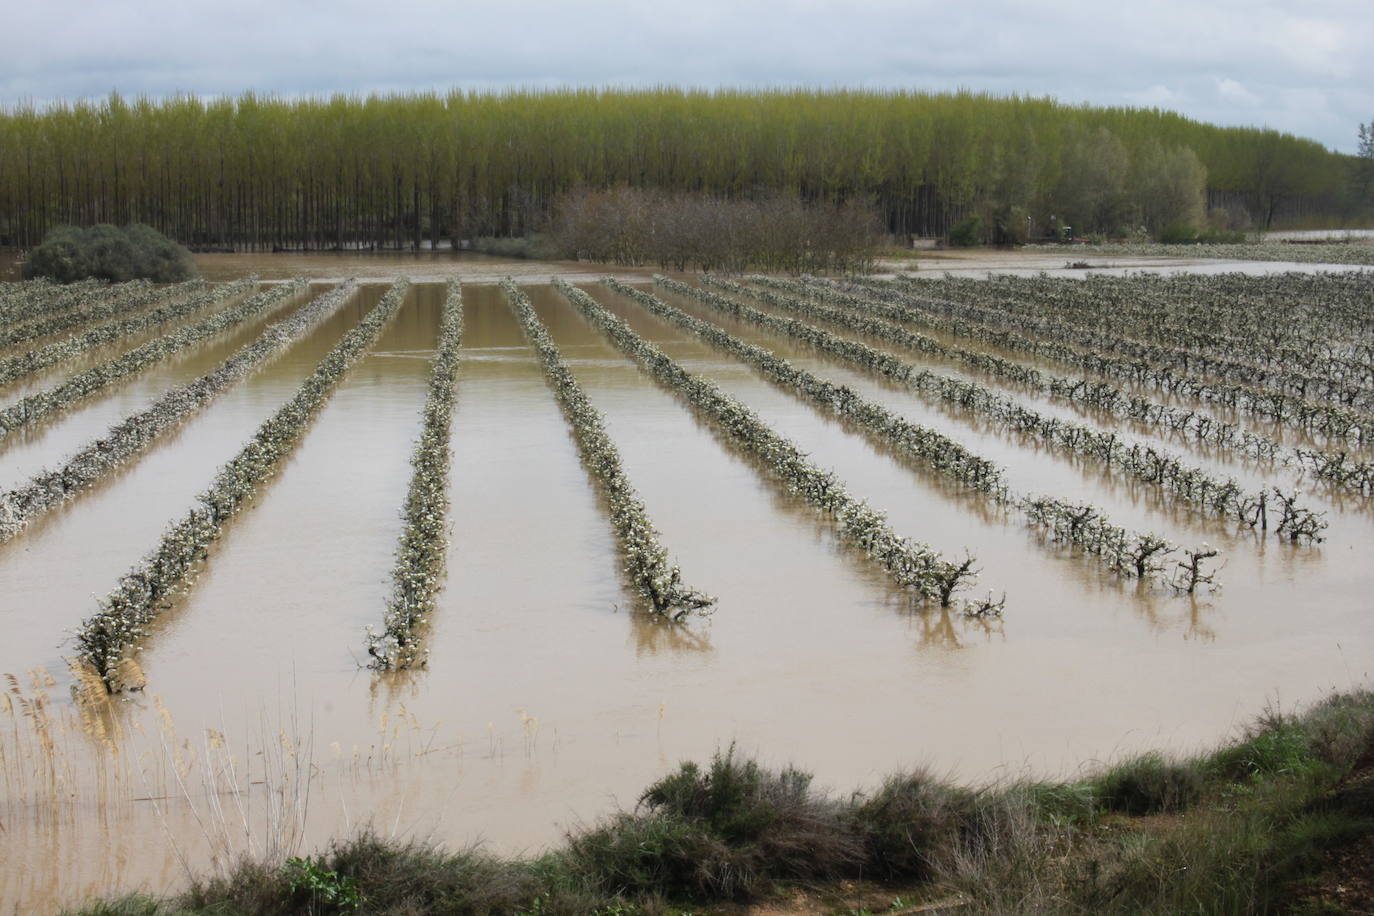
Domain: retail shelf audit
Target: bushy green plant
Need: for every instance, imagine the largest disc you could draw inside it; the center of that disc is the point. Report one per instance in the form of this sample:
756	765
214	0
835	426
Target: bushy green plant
736	797
907	820
1150	785
723	831
323	888
965	233
1278	747
70	253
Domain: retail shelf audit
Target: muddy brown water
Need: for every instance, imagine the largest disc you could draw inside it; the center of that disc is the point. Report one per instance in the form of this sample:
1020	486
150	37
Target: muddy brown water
549	699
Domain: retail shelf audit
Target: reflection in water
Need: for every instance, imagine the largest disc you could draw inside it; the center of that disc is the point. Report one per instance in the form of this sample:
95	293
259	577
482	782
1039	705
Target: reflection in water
547	699
652	635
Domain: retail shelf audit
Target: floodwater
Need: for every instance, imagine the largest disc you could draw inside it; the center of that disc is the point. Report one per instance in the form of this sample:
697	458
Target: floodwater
550	698
1318	235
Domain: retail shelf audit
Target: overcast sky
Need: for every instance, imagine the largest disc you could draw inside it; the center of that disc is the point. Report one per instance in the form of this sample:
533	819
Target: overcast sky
1306	68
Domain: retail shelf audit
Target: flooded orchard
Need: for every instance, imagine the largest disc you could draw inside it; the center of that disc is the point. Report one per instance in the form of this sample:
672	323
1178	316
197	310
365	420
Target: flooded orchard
247	718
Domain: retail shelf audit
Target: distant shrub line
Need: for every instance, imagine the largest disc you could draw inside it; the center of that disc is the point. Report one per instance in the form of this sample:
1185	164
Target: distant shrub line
684	230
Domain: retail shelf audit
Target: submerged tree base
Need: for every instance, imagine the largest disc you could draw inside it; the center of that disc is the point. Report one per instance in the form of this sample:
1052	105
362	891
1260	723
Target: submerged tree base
1273	822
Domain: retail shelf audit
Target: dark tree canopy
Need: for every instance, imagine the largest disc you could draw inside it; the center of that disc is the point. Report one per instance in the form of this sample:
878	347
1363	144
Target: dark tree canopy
106	252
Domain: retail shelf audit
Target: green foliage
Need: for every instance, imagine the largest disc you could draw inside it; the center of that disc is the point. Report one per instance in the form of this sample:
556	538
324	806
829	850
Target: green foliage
723	832
536	246
1091	194
1150	784
405	877
348	171
908	821
324	890
1188	234
133	905
105	252
1168	188
660	854
735	798
1280	748
1058	803
966	232
1364	165
1010	225
1179	234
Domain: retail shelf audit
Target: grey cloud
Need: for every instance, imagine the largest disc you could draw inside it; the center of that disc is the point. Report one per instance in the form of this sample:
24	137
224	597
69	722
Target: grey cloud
1258	63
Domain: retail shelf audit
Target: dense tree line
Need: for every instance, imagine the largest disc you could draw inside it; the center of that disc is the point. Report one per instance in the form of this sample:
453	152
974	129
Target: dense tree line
405	170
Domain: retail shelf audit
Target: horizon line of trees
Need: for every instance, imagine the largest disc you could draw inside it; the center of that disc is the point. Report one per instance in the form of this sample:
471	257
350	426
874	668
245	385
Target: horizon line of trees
409	170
